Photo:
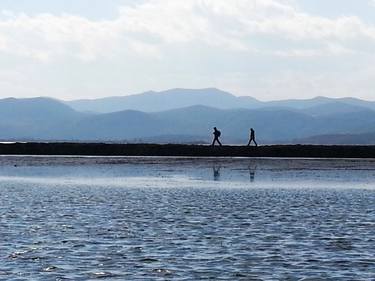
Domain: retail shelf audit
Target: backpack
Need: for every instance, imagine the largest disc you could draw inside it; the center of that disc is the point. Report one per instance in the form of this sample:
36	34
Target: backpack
218	133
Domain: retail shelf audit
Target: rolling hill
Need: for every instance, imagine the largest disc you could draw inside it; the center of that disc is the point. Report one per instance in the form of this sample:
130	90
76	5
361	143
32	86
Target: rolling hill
211	97
35	118
49	119
334	139
166	100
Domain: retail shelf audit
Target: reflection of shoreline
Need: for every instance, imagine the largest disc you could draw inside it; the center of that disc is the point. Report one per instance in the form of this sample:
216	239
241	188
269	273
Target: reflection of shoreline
234	171
11	142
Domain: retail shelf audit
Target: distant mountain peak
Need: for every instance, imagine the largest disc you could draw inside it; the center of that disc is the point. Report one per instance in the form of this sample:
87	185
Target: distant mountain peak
153	101
321	98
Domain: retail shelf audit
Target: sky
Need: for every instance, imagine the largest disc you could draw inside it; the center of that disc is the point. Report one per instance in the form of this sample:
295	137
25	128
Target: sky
267	49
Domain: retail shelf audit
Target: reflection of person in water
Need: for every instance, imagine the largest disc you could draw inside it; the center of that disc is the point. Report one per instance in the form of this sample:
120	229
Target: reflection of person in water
217	134
216	171
252	173
252	137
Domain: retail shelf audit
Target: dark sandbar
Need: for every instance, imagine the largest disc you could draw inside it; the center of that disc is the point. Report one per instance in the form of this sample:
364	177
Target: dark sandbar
102	149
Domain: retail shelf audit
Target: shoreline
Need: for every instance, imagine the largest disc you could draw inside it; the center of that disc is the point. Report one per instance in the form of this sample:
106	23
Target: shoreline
267	151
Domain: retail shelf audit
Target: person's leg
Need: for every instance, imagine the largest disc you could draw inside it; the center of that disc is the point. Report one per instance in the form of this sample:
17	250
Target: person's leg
219	142
248	144
255	143
213	142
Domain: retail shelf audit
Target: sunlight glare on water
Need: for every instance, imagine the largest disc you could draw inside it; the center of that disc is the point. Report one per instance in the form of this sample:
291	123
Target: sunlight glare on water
186	219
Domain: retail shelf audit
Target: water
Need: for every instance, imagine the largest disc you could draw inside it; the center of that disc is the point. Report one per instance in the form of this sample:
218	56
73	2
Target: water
69	218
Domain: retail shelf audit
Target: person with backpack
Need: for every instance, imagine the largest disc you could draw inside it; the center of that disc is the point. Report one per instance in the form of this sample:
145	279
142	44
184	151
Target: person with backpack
252	137
216	134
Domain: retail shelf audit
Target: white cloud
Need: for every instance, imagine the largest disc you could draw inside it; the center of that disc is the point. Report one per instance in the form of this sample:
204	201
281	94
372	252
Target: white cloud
146	28
265	48
327	51
233	23
46	36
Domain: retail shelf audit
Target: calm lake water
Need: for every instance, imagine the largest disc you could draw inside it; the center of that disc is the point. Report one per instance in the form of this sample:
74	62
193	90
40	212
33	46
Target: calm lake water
70	218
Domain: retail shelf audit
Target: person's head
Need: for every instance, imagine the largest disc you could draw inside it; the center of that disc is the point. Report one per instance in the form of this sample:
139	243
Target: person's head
251	129
215	129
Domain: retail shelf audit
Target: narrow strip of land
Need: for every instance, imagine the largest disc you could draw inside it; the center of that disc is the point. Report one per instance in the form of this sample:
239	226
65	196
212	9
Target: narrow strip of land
102	149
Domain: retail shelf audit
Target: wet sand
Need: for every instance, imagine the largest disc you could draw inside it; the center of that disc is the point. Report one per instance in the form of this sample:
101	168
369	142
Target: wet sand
104	149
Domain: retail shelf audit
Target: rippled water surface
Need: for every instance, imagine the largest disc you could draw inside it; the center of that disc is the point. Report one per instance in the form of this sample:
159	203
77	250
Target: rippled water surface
70	218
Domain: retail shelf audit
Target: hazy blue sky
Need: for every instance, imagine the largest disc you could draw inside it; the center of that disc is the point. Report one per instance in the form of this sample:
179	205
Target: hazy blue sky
269	49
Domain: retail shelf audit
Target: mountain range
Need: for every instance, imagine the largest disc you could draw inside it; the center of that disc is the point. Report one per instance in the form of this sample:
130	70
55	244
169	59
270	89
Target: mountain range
188	116
211	97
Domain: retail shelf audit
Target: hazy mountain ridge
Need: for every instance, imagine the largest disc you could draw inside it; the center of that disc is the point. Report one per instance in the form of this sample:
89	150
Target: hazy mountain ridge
212	97
162	101
301	121
334	139
35	118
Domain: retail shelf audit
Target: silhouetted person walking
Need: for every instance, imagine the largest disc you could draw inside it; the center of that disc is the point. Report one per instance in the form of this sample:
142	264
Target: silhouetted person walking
252	137
217	134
